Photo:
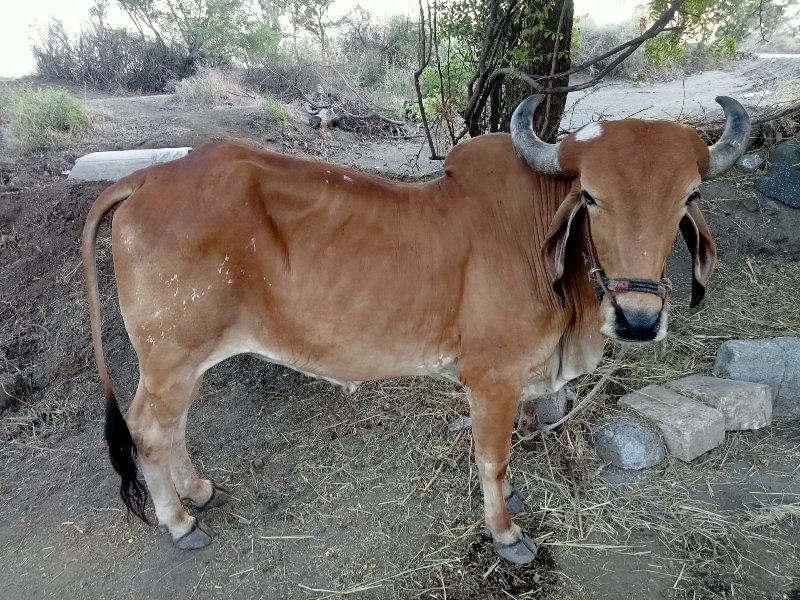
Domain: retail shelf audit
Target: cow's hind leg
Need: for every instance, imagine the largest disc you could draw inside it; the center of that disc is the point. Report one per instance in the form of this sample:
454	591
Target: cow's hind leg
493	406
154	419
203	493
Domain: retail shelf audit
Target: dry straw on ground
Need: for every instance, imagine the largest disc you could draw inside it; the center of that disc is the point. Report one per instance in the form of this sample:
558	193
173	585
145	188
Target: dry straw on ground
571	507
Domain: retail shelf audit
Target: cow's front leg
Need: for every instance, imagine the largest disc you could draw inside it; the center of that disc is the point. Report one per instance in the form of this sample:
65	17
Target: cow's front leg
493	406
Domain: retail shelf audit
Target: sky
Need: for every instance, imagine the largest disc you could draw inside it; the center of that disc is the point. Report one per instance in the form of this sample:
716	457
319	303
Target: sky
20	20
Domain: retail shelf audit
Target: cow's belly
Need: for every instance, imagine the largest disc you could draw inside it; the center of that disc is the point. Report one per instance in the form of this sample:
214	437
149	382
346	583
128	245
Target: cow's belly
444	368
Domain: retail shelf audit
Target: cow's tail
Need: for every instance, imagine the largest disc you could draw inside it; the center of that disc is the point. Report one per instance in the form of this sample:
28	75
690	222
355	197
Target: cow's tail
121	447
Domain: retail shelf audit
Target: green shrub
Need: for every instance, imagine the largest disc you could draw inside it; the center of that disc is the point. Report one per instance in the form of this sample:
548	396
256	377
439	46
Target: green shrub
258	45
41	119
109	58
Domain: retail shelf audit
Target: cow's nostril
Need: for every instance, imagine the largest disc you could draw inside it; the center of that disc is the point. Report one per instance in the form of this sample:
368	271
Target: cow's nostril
637	326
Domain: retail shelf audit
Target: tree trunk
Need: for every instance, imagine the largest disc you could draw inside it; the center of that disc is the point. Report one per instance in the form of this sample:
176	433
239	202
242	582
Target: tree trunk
495	103
537	38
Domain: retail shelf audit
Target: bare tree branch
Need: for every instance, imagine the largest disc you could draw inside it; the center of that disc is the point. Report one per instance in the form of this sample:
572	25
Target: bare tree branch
488	74
425	50
624	51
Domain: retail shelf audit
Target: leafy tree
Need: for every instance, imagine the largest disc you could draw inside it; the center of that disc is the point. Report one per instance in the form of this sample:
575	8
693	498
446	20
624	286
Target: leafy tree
516	47
108	57
313	17
527	37
394	40
373	46
213	32
717	25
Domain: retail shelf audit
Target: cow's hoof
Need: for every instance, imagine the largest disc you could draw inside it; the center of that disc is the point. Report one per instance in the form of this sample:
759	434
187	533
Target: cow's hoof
521	552
199	536
515	503
219	496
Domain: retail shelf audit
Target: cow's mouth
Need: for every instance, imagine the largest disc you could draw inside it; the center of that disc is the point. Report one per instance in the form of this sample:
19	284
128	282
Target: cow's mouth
632	325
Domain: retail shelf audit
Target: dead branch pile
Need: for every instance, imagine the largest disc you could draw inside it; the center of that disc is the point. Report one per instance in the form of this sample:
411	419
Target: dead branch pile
330	98
350	112
771	124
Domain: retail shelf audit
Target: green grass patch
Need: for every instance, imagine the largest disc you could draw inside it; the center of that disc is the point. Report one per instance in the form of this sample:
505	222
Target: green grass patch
275	111
41	119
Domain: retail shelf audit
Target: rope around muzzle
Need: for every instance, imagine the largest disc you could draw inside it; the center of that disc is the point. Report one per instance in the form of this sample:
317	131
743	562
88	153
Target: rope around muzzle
605	285
612	286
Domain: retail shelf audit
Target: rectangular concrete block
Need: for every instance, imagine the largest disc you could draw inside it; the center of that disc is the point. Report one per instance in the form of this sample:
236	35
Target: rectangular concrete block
690	428
744	405
115	164
774	361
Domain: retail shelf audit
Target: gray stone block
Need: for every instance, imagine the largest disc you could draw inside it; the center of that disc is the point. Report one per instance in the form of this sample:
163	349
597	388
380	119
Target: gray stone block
775	362
690	428
782	183
628	443
745	405
787	400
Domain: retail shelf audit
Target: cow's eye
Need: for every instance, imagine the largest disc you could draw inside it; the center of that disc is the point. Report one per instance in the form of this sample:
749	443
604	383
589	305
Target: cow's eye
587	198
693	197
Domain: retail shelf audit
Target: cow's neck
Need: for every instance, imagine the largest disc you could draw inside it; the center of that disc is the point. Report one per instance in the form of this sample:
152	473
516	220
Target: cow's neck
582	343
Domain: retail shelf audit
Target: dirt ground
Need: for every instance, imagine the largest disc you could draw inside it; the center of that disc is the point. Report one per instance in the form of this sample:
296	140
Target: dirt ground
367	495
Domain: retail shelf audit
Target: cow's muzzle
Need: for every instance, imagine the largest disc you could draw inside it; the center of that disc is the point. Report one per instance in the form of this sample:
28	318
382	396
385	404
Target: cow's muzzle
636	326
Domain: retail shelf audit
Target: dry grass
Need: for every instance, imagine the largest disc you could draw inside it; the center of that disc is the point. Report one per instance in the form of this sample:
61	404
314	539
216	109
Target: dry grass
209	88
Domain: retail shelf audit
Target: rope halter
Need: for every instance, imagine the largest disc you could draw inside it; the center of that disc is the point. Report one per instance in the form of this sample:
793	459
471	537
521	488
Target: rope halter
612	286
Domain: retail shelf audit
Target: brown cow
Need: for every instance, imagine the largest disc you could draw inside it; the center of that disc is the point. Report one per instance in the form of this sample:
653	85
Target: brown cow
479	276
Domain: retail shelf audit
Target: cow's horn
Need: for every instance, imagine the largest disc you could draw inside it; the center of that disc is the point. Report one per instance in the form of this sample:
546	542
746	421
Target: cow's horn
538	155
734	139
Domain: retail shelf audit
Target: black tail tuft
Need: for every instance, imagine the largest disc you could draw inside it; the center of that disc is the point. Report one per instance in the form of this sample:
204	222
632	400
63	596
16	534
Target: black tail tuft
122	452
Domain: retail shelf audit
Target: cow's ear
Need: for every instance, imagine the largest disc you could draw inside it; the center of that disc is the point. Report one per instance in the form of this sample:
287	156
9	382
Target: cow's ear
702	248
555	245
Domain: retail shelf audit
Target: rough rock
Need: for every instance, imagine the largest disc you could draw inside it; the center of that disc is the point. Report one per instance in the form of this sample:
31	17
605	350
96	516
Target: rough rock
786	153
628	443
782	183
775	362
745	405
690	428
542	410
750	162
552	407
